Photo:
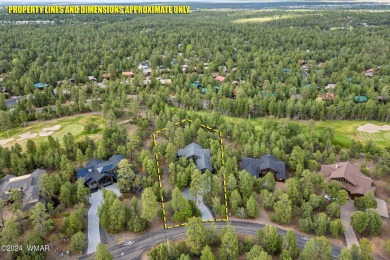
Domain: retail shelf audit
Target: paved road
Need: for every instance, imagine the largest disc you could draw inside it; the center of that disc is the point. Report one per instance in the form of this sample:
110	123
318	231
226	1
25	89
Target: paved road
96	199
143	243
204	210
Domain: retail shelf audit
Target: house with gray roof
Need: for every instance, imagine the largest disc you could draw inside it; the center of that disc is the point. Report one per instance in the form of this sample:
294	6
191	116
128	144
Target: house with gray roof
12	102
200	156
28	184
98	173
259	167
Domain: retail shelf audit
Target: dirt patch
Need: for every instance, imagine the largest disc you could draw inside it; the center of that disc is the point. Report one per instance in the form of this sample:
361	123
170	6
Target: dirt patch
27	135
371	128
5	141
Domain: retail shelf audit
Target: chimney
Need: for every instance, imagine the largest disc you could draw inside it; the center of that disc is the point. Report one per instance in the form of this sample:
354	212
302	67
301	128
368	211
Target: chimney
336	166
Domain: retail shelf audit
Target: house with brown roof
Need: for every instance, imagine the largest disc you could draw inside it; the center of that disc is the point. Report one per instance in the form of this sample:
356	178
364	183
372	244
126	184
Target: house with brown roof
106	75
128	74
326	96
349	176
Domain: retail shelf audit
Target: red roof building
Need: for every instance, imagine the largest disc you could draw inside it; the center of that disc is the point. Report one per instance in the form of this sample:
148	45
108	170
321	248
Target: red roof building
220	78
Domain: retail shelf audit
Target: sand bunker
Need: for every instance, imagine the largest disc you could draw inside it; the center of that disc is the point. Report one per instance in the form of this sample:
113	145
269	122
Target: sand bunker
53	128
370	128
49	130
46	133
5	141
27	135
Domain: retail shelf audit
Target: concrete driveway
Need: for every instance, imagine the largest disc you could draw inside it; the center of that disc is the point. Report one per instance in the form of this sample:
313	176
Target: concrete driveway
345	216
204	210
96	199
382	208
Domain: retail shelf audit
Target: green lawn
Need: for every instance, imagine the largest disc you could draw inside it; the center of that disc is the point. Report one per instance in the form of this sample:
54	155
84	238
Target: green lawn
345	130
73	124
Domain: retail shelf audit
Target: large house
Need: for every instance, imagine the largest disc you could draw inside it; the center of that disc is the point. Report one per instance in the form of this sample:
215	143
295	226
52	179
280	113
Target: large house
28	184
200	156
349	177
98	173
259	167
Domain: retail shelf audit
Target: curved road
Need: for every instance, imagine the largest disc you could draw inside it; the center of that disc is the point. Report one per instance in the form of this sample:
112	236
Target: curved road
143	243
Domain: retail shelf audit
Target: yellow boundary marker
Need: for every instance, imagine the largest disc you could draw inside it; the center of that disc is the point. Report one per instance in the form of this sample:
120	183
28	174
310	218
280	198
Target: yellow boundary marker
155	135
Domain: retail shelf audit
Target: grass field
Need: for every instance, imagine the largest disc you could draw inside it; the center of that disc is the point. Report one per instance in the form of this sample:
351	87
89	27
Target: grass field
73	124
345	130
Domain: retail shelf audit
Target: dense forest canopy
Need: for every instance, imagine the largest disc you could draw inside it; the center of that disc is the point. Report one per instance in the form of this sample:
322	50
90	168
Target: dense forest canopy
263	51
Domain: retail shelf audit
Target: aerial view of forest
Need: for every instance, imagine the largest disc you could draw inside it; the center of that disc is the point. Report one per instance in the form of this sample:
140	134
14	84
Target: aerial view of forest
238	131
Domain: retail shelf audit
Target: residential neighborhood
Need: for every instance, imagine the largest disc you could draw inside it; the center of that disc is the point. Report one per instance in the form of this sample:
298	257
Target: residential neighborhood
256	130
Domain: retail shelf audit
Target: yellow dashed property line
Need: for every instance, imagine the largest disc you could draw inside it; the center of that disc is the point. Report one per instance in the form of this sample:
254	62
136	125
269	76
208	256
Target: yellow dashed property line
224	175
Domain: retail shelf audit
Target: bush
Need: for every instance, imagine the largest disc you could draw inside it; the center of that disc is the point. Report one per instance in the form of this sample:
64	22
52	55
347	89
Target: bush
137	224
160	214
241	213
194	209
306	225
78	242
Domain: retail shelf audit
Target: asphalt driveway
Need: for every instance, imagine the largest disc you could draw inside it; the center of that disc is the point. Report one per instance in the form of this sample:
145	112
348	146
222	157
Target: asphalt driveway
95	199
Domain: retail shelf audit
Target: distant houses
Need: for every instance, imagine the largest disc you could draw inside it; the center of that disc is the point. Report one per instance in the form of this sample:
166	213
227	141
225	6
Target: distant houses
330	86
200	156
98	173
259	167
92	78
326	96
40	85
360	99
128	74
369	73
12	102
106	75
349	176
220	78
28	184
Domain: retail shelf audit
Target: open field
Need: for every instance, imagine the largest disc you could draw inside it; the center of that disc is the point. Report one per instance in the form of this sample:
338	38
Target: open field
39	131
265	19
345	130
